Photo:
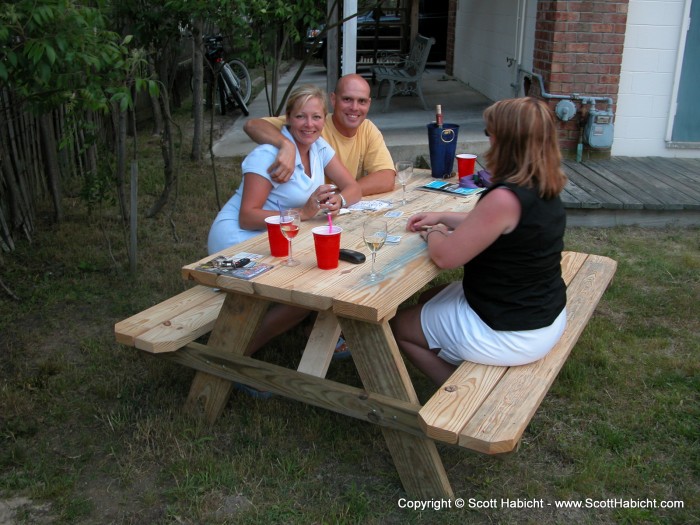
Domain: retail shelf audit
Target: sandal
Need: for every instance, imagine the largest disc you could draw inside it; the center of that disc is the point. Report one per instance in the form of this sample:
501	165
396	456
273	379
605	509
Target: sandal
252	392
341	350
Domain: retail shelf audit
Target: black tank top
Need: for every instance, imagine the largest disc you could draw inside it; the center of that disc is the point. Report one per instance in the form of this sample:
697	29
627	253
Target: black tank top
516	283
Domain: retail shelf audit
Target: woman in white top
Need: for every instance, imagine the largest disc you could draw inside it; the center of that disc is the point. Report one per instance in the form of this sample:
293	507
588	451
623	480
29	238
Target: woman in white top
259	196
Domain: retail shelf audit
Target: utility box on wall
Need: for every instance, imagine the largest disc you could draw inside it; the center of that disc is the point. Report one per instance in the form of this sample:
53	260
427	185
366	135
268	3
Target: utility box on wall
598	131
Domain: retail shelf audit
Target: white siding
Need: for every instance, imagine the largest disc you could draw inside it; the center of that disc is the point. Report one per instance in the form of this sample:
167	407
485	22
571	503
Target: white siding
647	79
485	40
486	35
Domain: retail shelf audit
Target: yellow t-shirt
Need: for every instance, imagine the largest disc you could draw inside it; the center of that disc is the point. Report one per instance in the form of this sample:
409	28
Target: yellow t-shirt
364	153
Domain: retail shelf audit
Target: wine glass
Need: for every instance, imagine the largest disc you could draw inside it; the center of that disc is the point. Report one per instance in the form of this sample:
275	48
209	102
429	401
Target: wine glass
289	225
404	171
374	234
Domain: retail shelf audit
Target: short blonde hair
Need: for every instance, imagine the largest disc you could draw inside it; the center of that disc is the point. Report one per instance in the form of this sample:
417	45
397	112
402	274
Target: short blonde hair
301	96
525	146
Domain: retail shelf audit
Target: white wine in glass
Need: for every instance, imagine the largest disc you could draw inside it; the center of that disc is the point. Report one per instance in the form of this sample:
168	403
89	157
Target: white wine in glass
404	171
290	221
374	234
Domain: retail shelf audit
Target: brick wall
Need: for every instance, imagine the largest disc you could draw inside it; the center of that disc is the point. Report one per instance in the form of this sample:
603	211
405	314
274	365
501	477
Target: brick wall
578	49
450	54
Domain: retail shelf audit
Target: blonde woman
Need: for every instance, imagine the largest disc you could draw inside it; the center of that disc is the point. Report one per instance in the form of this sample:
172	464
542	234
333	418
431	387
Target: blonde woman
259	196
509	308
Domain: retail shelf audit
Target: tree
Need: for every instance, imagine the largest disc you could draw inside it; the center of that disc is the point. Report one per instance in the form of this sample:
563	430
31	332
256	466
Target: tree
277	23
157	27
59	54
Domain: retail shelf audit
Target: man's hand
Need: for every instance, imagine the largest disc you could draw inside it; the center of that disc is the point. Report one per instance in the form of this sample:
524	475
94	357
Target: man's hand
282	168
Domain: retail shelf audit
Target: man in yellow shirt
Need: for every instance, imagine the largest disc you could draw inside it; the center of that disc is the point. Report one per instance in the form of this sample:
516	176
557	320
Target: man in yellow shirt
357	141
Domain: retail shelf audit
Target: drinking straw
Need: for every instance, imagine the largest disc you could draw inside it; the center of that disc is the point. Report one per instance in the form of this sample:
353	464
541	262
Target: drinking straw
330	223
279	207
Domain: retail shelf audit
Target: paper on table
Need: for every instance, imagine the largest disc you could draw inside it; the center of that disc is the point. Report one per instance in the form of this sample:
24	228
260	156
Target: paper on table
371	205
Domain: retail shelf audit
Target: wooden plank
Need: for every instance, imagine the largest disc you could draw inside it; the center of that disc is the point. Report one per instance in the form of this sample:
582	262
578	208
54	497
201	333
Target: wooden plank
571	263
666	189
585	199
503	417
449	410
128	330
330	395
657	191
320	346
677	179
236	325
690	166
627	183
383	371
181	329
606	192
569	200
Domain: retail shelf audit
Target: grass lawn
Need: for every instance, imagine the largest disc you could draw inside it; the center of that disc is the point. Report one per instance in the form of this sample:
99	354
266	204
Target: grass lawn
92	432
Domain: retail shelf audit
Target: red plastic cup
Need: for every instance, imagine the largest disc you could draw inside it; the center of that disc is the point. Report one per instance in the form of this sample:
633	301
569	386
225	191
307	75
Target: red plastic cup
465	164
279	246
327	245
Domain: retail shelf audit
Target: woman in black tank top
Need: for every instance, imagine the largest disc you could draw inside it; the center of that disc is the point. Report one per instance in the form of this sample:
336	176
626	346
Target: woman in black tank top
509	307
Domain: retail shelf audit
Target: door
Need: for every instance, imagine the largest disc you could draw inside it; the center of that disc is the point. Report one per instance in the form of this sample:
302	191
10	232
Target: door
686	123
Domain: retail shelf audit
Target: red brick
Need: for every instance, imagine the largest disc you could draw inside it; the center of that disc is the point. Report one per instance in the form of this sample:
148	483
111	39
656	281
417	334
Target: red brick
591	37
601	69
603	28
579	27
578	47
606	49
562	77
566	36
593	17
586	59
610	59
567	16
613	38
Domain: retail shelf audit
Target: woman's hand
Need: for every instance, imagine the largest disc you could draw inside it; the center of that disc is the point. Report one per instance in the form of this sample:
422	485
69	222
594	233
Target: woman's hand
444	230
325	197
421	221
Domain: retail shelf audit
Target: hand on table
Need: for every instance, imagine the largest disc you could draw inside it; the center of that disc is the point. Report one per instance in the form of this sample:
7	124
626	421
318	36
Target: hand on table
421	221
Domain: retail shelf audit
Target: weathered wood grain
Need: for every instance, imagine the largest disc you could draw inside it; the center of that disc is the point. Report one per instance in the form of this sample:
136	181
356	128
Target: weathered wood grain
500	421
128	330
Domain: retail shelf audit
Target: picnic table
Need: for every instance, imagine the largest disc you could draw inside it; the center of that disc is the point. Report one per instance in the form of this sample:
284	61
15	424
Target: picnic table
346	300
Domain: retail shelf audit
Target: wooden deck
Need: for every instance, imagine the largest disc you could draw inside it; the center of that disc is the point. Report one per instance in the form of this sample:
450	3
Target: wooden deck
648	191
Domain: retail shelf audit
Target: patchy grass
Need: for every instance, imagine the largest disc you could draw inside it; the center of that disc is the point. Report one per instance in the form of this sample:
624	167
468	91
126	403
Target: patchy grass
93	432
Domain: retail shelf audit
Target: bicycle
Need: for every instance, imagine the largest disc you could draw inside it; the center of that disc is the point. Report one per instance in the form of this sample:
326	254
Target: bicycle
233	79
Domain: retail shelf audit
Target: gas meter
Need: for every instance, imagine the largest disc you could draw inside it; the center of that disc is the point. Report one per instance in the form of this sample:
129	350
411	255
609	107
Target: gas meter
598	131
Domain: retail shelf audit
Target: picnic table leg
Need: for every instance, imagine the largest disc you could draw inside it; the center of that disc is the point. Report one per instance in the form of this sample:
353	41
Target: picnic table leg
382	370
319	349
238	321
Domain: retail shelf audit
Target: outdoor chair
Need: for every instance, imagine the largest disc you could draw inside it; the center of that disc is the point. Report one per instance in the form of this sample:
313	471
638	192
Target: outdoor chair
404	74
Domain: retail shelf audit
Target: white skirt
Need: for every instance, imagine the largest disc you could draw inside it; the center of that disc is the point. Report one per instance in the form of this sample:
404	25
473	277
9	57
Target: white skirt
453	329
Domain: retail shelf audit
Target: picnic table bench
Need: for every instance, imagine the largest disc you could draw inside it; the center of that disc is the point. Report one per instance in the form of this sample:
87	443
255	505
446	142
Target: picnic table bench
480	407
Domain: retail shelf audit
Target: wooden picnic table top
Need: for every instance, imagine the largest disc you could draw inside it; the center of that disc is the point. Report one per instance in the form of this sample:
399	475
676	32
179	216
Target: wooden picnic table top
347	290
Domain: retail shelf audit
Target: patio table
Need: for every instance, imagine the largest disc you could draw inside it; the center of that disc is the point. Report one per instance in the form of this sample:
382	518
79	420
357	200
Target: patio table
345	300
